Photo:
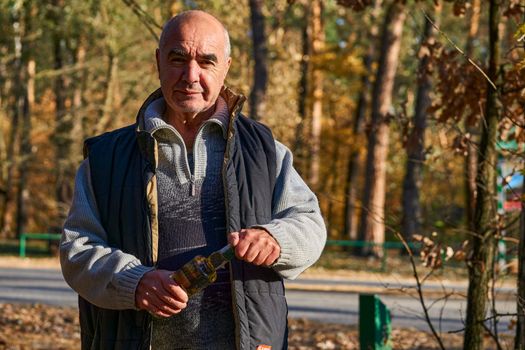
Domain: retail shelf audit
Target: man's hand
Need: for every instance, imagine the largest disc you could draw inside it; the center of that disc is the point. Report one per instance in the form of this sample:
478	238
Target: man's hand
255	246
158	294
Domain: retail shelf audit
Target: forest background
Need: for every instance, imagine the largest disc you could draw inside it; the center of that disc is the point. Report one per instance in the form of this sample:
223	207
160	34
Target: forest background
398	112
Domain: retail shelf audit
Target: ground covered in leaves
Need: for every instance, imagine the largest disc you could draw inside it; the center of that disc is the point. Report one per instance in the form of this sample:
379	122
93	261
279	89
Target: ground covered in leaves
24	327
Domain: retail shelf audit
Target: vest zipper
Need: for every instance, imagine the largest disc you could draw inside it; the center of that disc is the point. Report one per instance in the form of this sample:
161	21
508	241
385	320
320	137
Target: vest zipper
229	142
192	174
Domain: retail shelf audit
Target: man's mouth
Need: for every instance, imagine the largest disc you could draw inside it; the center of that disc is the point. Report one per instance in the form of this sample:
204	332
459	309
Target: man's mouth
189	92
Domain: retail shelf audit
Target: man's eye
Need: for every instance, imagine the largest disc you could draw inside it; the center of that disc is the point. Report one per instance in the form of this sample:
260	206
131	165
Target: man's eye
206	63
177	59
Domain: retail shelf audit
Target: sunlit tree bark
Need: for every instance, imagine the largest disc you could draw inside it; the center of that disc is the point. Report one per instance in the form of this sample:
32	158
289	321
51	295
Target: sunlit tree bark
372	227
27	104
357	154
16	107
317	79
78	104
106	113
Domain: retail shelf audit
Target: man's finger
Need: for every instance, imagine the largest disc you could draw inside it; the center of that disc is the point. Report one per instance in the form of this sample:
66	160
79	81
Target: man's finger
174	291
233	238
173	303
242	248
251	253
261	257
272	258
158	312
157	304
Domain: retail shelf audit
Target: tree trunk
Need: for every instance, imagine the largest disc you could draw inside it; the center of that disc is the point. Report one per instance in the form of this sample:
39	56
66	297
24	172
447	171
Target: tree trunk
318	38
411	221
11	154
77	113
331	183
357	154
472	131
260	55
519	341
372	226
3	167
25	152
305	59
18	92
480	263
28	101
5	83
106	114
64	124
475	10
332	214
299	147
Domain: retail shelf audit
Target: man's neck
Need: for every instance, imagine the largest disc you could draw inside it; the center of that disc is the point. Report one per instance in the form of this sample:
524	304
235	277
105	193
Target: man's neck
188	124
185	122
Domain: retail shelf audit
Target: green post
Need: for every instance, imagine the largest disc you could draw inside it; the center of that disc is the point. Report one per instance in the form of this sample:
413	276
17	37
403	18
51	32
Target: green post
22	245
375	326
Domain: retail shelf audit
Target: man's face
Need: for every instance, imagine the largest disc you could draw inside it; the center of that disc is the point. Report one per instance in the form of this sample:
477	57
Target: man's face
192	66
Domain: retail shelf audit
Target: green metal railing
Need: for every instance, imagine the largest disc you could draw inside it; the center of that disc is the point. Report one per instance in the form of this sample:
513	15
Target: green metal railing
42	236
383	246
363	244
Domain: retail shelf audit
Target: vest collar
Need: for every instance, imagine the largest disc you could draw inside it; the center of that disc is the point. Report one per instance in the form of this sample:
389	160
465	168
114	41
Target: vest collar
147	142
233	100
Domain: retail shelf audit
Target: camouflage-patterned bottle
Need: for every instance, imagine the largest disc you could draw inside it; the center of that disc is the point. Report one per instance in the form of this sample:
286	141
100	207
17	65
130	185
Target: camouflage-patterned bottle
200	271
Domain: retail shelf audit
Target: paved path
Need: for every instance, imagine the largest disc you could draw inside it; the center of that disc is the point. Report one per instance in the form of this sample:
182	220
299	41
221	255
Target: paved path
392	285
48	287
406	312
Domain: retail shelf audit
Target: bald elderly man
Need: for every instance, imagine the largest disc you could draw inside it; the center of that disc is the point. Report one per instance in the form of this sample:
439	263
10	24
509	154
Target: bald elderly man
191	175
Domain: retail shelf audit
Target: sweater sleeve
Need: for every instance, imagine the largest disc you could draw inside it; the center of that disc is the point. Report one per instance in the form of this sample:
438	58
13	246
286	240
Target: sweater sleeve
103	275
297	223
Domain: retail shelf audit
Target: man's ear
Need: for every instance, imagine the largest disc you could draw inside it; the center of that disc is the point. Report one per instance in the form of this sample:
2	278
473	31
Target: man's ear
157	58
228	64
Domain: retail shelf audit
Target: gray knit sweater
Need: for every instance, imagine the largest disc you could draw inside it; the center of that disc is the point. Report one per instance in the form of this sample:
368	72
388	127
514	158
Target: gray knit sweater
107	277
192	221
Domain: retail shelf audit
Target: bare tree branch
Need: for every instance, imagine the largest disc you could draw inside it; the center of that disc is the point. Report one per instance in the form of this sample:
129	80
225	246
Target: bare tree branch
459	50
144	17
420	291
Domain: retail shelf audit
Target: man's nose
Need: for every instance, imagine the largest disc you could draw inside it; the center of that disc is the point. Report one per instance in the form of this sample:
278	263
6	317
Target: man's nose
192	72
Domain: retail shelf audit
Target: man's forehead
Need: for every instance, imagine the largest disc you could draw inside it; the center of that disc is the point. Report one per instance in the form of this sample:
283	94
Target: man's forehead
195	38
193	46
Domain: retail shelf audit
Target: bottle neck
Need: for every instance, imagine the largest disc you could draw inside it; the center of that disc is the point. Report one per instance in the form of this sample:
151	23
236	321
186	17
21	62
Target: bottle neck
227	252
219	258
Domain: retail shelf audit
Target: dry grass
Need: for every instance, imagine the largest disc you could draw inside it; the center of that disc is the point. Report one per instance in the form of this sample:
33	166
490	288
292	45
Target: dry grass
45	327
